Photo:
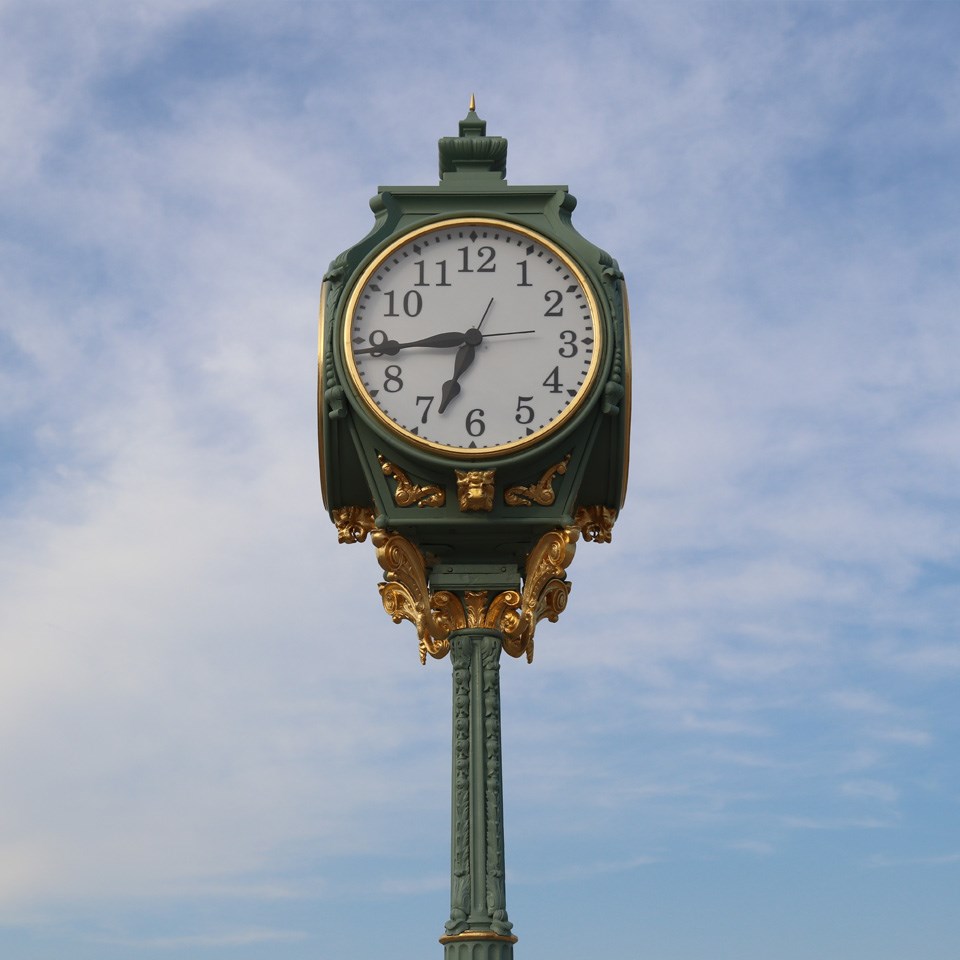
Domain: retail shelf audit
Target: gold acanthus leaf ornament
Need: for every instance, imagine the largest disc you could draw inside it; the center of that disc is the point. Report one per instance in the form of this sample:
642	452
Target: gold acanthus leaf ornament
515	614
545	590
406	595
409	493
540	492
596	523
353	523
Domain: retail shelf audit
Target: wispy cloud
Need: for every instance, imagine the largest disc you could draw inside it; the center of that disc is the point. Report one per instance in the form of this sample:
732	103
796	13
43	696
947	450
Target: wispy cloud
759	848
836	823
937	860
415	885
580	871
233	938
870	789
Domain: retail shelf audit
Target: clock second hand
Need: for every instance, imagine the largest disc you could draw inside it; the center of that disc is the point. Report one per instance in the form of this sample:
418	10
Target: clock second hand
485	312
507	333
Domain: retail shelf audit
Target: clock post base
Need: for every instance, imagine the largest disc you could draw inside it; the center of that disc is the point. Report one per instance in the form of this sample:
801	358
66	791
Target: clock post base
473	948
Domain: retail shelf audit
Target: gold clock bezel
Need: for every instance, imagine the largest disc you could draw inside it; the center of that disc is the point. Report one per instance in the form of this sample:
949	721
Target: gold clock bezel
501	449
627	402
321	412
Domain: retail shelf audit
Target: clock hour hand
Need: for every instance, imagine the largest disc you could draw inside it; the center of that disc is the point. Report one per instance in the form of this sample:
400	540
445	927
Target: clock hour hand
392	347
451	387
465	356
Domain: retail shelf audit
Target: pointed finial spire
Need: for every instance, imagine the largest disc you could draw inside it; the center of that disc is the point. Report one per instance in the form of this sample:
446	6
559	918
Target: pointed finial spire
471	125
473	154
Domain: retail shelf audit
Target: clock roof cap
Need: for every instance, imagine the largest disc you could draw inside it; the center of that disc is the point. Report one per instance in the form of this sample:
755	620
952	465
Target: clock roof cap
473	153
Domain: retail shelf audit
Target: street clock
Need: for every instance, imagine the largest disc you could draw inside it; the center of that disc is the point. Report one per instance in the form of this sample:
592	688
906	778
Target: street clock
474	387
474	418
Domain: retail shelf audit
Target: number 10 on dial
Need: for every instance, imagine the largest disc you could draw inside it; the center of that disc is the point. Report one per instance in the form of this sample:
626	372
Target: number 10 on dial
472	337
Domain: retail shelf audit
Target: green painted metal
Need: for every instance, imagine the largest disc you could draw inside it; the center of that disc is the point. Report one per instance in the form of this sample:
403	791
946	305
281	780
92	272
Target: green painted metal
478	950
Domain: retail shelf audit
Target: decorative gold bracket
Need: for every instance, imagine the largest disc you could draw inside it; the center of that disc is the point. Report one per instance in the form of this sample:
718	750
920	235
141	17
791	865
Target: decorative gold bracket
596	523
409	493
406	595
545	590
353	523
540	492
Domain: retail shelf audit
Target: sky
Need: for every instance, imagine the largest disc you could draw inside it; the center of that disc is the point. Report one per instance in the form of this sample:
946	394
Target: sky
739	740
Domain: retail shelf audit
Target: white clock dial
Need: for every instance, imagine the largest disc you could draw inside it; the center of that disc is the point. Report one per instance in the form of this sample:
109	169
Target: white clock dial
472	337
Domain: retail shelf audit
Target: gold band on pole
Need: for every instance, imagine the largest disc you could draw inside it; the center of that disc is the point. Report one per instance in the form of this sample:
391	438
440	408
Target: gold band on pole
478	935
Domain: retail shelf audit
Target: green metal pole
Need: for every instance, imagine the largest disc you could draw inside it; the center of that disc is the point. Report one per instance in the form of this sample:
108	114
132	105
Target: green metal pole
478	928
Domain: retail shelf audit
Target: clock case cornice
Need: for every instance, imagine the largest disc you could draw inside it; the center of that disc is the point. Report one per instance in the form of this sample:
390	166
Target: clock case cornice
354	445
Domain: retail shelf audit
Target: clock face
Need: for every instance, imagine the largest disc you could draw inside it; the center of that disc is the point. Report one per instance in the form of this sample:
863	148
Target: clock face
472	337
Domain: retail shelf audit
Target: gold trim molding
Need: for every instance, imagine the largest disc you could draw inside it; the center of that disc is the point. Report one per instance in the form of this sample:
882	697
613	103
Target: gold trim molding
406	595
596	523
353	523
570	264
409	493
469	935
475	489
540	492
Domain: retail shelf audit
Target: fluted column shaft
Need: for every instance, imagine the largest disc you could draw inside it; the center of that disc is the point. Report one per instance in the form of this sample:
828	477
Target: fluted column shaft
478	928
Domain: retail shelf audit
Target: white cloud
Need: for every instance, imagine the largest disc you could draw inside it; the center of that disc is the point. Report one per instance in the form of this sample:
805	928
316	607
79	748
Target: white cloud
870	789
234	938
936	860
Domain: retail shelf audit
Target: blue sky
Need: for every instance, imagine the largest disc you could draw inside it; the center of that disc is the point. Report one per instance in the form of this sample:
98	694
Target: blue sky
740	738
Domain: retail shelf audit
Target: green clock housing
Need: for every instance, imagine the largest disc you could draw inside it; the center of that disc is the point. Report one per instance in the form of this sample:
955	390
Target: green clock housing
473	331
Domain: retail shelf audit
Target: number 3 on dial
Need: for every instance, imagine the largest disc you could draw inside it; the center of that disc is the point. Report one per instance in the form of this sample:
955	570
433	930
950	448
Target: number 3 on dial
472	337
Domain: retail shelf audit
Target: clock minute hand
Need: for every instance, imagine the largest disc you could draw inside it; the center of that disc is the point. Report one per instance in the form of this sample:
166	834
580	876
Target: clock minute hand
392	347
